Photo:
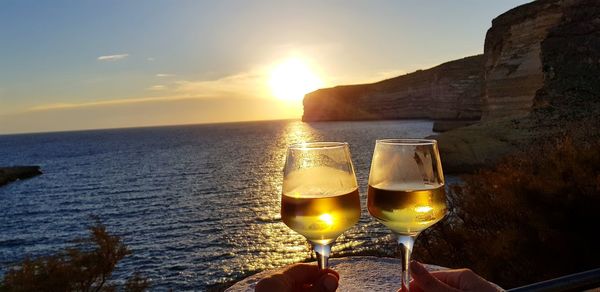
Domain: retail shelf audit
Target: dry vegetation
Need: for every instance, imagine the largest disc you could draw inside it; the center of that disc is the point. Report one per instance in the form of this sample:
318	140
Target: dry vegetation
86	267
532	217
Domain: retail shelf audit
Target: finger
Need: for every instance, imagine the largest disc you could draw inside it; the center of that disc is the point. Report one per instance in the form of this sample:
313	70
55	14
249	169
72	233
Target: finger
303	273
275	282
427	282
326	283
413	287
330	271
456	278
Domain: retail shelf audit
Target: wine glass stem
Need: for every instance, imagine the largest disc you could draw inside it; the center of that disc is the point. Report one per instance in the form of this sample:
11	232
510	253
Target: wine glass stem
322	251
405	243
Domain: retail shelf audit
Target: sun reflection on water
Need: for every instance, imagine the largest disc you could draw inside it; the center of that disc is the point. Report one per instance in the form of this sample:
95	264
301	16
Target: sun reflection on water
298	132
262	241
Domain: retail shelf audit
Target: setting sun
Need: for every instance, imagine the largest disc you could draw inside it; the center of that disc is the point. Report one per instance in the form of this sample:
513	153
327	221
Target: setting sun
292	79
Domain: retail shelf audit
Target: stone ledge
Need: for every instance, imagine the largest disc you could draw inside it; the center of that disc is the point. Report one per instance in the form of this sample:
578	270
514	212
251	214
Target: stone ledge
360	273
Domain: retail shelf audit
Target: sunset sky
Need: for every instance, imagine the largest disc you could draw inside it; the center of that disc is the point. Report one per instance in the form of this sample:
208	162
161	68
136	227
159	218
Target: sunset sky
67	65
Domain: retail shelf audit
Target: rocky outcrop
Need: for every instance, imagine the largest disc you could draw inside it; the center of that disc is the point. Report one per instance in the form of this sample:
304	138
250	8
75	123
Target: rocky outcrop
538	74
9	174
450	91
513	64
550	86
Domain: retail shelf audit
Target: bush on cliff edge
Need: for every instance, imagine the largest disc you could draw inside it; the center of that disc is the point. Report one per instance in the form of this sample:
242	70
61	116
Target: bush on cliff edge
532	217
87	267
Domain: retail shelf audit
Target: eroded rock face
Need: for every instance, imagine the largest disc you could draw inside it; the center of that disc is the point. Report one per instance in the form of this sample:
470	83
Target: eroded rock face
539	73
571	59
553	88
513	57
450	91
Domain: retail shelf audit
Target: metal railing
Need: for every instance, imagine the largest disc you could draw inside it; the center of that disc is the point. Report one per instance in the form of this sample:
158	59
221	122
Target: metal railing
575	282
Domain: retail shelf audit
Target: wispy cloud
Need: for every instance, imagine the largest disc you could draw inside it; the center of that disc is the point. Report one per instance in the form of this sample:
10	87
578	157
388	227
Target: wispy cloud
113	57
58	106
150	59
160	75
157	87
245	85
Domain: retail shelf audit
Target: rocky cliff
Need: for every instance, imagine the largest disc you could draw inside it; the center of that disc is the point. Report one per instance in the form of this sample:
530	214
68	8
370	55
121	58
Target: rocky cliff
542	73
513	57
449	91
539	73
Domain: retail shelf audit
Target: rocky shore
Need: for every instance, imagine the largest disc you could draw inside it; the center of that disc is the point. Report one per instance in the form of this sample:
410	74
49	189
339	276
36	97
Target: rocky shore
13	173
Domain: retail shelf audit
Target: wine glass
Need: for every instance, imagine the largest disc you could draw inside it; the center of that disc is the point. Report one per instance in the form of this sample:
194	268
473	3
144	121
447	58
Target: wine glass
406	190
320	194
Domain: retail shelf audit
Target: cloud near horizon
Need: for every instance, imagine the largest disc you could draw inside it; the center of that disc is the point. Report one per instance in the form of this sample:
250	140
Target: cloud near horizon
251	84
147	111
157	87
247	85
113	57
108	102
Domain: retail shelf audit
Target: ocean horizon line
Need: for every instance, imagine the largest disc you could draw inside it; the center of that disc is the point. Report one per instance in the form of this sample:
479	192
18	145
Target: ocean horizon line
145	126
203	124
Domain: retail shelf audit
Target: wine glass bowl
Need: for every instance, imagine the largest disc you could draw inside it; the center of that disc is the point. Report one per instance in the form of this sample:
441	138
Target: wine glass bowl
320	197
406	190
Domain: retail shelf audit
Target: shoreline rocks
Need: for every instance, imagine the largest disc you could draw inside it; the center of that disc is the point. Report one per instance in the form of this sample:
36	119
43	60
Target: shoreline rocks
13	173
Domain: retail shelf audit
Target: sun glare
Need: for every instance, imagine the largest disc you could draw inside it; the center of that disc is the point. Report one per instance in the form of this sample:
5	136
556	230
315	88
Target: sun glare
292	79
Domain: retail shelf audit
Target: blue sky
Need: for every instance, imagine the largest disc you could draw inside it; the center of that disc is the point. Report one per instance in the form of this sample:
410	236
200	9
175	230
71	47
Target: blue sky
68	65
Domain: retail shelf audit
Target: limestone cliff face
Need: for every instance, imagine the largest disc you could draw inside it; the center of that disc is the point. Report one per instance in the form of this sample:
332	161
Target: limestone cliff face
513	57
539	73
542	78
449	91
524	61
571	60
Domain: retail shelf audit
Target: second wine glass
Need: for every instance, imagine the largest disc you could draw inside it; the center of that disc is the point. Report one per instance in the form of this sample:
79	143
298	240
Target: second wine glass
406	190
320	194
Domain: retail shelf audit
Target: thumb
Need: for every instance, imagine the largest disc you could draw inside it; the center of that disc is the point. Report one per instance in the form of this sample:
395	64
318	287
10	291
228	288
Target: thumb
425	281
327	282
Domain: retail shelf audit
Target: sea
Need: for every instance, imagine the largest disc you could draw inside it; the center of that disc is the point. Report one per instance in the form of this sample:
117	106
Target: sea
198	205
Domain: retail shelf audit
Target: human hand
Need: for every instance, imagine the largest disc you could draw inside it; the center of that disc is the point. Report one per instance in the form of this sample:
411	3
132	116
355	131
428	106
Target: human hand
448	280
300	277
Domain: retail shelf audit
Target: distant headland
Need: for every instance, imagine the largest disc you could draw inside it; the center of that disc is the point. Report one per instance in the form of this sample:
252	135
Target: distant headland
537	77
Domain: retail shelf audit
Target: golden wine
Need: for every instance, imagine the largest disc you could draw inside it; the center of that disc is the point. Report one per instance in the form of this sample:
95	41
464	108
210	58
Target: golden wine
321	219
407	211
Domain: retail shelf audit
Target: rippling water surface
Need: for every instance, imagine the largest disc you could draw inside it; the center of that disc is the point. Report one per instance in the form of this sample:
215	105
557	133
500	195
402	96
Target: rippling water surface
197	205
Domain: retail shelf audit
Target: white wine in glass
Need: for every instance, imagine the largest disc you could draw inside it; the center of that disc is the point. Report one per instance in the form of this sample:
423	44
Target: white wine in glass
406	190
320	194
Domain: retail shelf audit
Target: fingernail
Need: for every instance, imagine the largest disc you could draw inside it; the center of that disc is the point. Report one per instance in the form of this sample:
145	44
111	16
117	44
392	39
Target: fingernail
330	283
416	268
